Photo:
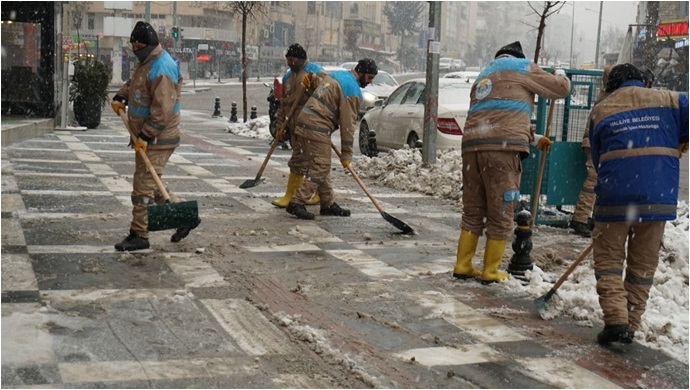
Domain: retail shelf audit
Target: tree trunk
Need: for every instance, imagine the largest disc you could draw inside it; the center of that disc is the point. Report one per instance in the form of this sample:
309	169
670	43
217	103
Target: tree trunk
244	65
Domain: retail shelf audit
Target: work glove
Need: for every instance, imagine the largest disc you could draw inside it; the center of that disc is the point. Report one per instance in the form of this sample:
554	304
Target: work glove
682	148
280	133
119	103
346	163
140	144
543	144
559	72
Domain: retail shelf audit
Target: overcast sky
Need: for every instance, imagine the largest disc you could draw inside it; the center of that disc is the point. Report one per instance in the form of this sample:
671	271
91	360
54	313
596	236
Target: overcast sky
615	13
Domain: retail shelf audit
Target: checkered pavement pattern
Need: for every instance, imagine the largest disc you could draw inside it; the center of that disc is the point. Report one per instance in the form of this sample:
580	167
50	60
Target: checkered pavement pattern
178	315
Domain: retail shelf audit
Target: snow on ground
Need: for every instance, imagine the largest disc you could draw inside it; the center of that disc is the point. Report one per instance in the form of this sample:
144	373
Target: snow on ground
665	322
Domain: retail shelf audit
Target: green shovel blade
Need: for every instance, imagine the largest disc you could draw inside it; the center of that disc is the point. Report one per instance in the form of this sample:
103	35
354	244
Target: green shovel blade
173	215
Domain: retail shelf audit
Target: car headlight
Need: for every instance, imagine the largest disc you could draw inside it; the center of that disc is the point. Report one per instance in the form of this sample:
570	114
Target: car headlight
368	99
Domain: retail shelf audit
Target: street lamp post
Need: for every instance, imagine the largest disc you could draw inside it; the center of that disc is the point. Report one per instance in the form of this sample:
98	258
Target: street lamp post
596	58
572	30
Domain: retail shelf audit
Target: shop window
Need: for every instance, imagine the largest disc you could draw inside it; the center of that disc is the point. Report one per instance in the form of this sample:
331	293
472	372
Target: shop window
21	83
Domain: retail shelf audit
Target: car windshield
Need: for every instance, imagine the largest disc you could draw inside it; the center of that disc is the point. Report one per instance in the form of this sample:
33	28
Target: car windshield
384	79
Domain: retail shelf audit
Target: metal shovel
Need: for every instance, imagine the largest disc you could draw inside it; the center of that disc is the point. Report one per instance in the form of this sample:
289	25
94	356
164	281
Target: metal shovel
168	215
405	228
540	303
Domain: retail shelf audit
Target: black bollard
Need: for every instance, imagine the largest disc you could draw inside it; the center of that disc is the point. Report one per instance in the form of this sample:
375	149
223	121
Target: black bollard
522	246
233	112
216	109
252	115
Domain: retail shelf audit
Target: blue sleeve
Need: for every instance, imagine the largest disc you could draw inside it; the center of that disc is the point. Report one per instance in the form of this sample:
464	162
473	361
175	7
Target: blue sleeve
594	145
683	106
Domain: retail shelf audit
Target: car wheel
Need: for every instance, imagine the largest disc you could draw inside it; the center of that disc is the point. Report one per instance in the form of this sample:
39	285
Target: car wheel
367	146
412	140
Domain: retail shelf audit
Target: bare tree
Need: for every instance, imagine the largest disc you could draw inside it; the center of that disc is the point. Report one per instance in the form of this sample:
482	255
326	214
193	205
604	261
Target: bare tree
550	8
246	10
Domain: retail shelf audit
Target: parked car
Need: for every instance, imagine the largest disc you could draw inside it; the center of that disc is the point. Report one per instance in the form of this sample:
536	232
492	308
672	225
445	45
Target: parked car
380	88
458	65
445	64
348	65
469	77
399	120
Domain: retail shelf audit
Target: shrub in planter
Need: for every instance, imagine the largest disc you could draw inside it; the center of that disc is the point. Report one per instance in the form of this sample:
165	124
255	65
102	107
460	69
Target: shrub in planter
89	91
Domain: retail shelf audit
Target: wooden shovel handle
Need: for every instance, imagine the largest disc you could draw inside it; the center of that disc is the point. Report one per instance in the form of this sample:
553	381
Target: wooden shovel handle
540	173
147	162
282	128
359	181
570	269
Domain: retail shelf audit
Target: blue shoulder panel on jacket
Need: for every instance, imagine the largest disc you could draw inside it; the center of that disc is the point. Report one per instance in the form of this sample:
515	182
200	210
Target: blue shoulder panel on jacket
164	65
347	82
506	63
312	67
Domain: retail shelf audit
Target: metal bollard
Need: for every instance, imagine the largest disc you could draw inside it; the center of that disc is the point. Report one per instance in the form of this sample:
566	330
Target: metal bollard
252	115
216	109
522	246
233	112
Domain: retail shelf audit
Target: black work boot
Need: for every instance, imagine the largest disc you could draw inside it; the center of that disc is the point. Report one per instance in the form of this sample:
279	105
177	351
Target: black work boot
580	228
183	232
615	333
299	211
133	242
335	210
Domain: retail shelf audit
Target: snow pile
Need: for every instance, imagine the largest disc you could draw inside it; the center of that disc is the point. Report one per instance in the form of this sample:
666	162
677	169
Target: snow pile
254	128
403	170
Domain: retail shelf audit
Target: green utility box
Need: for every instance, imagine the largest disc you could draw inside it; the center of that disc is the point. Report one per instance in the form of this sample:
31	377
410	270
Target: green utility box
564	170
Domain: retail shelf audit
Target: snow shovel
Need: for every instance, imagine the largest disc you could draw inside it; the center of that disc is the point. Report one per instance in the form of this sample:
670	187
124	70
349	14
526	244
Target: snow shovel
540	303
168	215
540	173
405	228
255	182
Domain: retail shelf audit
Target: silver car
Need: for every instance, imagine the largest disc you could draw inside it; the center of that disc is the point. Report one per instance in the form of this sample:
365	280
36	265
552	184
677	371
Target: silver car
399	120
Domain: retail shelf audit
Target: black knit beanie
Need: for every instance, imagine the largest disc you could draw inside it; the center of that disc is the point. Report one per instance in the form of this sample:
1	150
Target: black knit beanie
296	50
367	66
144	33
622	73
514	49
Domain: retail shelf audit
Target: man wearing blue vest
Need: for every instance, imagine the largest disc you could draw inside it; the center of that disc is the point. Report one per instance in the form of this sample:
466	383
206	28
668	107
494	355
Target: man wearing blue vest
637	136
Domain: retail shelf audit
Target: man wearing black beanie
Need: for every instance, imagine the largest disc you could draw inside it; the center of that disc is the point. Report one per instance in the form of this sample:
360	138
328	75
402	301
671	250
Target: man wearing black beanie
151	101
296	58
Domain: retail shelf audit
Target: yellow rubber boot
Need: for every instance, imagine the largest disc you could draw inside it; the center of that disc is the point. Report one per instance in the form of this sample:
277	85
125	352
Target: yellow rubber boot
493	255
294	181
467	247
314	199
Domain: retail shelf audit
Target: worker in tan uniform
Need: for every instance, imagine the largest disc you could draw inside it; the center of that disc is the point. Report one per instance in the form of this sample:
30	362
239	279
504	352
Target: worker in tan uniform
333	104
585	200
151	98
293	90
497	137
